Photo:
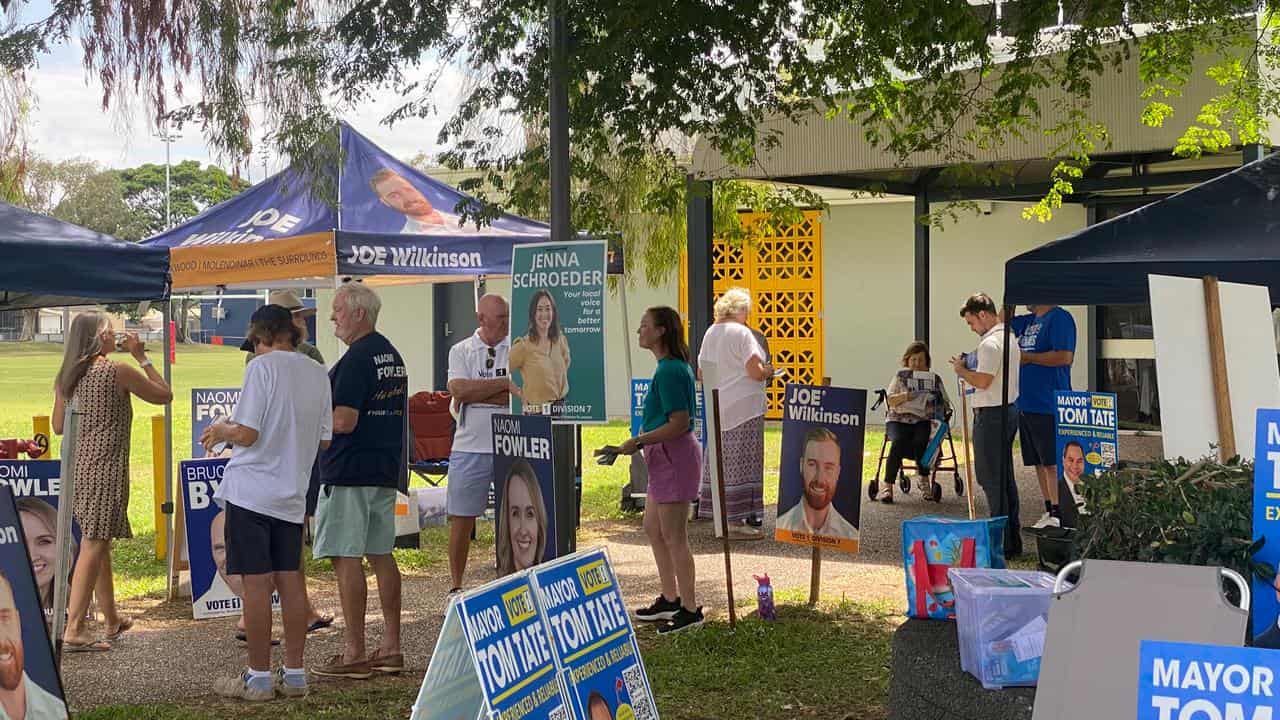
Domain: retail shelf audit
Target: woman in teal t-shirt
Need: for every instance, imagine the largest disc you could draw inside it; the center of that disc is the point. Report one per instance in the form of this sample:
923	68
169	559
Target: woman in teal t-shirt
674	459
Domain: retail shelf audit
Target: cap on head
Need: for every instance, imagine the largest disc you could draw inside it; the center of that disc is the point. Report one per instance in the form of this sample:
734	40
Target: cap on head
268	322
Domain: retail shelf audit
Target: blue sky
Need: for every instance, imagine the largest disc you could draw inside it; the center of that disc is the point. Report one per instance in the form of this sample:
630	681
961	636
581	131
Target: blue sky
68	121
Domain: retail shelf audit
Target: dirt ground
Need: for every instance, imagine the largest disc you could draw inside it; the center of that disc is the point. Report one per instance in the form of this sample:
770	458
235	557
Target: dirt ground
169	657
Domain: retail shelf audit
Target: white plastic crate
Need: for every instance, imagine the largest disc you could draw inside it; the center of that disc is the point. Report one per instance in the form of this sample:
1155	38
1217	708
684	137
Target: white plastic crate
1001	617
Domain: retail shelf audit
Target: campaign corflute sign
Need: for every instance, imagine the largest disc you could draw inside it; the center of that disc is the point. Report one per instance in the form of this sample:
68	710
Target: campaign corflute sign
214	593
595	643
820	478
1088	433
512	652
36	485
557	330
1264	623
208	406
1186	681
524	492
552	643
640	389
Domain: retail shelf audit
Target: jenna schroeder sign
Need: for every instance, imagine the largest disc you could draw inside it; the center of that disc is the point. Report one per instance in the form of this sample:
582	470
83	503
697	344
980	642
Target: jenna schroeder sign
557	330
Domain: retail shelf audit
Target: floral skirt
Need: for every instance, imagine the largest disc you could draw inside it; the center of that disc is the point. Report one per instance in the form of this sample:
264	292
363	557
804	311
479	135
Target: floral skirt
742	453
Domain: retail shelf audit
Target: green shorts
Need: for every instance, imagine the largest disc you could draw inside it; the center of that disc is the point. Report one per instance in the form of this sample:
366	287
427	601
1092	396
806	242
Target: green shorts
355	521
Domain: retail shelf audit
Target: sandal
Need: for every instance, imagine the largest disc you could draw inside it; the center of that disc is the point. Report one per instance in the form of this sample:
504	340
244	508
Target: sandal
125	626
92	646
320	623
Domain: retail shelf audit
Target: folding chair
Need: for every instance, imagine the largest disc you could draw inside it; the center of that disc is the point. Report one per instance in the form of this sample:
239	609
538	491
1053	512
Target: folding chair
432	426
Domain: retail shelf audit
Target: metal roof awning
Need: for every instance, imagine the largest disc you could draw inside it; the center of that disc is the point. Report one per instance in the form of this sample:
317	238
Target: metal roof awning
823	152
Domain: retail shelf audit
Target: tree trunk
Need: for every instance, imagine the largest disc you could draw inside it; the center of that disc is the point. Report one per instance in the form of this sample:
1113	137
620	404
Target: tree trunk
183	320
30	323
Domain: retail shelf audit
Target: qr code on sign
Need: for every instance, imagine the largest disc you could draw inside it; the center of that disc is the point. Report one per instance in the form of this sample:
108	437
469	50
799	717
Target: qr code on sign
558	713
641	703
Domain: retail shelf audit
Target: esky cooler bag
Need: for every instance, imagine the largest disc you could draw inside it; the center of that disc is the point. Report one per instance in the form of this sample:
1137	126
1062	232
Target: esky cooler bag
932	545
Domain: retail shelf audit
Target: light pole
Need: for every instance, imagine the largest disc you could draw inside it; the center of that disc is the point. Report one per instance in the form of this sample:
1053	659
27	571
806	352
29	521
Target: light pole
168	136
564	437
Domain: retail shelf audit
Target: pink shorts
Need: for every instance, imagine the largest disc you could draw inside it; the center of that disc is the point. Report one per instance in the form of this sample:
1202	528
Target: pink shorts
675	469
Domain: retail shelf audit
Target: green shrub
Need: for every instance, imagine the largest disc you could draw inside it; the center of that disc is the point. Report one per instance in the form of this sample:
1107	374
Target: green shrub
1189	513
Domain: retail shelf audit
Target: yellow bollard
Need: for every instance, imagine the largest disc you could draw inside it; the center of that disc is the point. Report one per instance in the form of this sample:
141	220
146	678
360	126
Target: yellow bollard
42	429
159	461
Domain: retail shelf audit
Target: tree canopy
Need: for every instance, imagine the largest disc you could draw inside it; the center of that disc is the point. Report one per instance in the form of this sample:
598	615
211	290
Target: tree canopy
909	75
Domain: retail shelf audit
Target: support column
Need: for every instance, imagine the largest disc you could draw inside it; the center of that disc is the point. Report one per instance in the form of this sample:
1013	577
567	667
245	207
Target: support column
700	284
563	437
922	263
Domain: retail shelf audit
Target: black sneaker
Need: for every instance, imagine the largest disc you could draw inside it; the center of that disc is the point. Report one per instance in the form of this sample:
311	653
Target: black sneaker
683	620
755	520
661	609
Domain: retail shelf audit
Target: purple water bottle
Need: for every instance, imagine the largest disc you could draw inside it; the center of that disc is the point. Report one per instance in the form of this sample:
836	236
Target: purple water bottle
764	598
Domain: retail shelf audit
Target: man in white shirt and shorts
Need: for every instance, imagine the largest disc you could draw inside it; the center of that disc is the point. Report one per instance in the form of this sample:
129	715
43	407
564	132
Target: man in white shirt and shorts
480	384
280	423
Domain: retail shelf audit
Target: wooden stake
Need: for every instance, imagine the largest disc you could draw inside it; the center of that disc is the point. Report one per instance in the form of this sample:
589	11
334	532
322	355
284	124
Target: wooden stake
968	452
815	565
1218	367
724	513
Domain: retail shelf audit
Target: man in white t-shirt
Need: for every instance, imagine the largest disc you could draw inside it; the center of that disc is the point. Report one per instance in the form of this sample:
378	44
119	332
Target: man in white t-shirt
280	423
480	384
992	451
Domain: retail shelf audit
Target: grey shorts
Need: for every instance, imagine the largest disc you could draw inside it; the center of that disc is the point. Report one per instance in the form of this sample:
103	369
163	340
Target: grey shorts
467	484
355	521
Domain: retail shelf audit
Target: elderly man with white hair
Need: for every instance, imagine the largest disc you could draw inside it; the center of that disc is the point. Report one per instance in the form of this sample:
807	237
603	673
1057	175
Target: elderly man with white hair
359	473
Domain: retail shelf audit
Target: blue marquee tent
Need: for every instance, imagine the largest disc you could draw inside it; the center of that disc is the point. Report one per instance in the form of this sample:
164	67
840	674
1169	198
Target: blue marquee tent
1228	227
388	219
49	263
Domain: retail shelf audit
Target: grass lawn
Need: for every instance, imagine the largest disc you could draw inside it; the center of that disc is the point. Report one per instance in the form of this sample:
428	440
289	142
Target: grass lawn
786	664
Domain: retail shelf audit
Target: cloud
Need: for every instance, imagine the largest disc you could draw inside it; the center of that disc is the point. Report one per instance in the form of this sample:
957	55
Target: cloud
68	120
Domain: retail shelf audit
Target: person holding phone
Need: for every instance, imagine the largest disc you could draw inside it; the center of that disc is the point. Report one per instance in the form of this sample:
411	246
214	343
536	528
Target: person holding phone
101	391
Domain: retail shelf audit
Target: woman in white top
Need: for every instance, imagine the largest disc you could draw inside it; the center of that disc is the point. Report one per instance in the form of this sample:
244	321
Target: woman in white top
731	361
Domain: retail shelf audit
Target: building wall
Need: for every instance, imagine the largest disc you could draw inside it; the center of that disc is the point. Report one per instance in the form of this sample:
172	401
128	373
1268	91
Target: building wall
407	321
868	283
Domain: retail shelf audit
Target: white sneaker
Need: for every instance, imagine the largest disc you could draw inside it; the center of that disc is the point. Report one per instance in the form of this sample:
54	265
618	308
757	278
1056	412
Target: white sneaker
1045	521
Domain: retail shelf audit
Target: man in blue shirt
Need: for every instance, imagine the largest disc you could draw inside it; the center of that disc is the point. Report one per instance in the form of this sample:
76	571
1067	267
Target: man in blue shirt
1047	339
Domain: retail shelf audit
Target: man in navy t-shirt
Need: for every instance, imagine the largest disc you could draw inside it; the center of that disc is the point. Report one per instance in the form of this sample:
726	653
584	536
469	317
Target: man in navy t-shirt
1047	339
355	516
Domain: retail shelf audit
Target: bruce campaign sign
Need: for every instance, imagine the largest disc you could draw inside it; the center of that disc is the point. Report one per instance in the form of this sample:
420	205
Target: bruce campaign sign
213	592
551	643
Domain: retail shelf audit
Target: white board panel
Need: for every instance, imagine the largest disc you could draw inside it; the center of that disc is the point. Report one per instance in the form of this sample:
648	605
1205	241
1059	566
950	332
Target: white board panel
1187	416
